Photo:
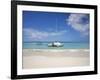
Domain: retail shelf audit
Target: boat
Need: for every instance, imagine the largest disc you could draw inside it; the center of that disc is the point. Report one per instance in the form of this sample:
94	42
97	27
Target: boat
55	44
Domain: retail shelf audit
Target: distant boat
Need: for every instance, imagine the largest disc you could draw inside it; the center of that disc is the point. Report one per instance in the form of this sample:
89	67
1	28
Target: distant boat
55	44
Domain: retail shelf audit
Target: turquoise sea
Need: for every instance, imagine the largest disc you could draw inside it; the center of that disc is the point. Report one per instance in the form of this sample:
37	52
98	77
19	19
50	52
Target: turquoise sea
44	45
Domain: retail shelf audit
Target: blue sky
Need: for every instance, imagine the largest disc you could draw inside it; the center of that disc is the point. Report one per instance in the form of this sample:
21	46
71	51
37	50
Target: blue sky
54	26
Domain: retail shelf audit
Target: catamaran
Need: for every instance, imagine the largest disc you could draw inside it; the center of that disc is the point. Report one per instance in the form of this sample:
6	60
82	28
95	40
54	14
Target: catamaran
55	43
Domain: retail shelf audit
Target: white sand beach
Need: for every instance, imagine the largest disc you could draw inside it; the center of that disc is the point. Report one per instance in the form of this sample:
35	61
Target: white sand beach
49	58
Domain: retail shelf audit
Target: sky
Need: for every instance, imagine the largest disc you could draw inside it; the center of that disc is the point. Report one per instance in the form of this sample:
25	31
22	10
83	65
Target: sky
55	26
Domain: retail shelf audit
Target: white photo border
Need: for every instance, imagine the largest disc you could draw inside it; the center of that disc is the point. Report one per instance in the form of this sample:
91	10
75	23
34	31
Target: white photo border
21	8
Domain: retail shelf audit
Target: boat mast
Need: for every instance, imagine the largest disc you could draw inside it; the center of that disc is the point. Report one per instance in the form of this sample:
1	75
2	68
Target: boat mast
56	24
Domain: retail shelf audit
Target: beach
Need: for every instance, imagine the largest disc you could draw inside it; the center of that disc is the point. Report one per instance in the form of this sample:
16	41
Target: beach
51	58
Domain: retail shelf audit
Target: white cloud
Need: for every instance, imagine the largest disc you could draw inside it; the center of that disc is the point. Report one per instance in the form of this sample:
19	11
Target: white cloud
77	22
33	34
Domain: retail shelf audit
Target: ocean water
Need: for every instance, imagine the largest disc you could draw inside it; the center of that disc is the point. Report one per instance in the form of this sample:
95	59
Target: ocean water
44	45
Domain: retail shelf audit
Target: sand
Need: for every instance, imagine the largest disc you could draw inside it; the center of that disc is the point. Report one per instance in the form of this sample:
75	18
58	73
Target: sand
37	58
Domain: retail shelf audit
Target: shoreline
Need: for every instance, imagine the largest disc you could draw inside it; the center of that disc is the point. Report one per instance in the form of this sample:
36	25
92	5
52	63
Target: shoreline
52	52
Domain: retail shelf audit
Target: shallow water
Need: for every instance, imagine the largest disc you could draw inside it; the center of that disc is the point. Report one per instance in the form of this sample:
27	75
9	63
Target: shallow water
44	45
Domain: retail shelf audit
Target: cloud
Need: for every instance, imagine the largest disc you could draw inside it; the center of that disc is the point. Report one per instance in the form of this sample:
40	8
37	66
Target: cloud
33	34
79	22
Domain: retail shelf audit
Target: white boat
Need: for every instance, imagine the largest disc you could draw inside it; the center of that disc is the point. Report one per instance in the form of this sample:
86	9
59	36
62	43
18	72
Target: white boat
55	44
